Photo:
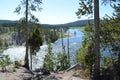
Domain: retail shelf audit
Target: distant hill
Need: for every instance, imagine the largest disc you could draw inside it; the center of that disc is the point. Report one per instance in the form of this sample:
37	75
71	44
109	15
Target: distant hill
78	23
7	21
70	24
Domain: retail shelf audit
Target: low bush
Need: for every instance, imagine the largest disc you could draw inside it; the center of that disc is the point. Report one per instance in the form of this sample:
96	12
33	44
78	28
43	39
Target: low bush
5	62
17	64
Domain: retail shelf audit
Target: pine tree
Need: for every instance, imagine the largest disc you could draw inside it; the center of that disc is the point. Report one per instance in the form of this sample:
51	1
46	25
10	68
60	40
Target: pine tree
29	6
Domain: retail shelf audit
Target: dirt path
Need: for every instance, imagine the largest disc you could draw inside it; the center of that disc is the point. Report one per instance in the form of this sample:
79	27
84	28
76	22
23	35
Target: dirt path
24	74
62	76
20	74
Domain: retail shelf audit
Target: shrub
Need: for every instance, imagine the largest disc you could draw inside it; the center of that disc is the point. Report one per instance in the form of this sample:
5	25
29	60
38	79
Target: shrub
48	60
5	62
17	64
62	61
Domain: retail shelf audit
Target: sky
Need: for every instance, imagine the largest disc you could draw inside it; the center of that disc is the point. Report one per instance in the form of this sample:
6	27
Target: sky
53	12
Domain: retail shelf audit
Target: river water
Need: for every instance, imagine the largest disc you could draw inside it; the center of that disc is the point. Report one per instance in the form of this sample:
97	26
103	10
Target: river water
17	53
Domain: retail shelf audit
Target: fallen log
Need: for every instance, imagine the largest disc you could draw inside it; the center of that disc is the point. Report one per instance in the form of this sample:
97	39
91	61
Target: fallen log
73	66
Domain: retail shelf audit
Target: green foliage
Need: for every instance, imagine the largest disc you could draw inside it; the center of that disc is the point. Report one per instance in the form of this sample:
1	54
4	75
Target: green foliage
85	55
62	61
85	8
2	46
109	40
17	64
33	5
35	40
111	1
14	70
107	61
21	25
51	33
5	62
88	32
48	60
1	43
110	30
7	29
107	67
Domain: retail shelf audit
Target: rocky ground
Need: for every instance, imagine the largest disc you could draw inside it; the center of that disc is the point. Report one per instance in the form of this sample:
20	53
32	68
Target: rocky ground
24	74
19	74
62	76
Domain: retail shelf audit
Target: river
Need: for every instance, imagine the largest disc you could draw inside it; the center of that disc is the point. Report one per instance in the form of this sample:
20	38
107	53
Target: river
17	53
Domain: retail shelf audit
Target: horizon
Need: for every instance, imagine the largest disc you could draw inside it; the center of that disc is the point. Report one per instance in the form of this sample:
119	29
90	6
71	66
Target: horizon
47	23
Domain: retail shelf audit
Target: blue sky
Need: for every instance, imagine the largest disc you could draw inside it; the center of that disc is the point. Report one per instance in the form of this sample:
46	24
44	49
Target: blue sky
54	11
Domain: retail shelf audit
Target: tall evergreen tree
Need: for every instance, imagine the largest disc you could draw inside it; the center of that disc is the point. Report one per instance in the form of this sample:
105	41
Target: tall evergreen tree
35	41
96	41
110	30
29	6
86	8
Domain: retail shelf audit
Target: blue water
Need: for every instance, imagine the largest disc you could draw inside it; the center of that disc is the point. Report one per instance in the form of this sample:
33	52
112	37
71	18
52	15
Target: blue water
75	41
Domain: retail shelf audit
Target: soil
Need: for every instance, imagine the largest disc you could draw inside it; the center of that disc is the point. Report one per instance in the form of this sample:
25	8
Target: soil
24	74
19	74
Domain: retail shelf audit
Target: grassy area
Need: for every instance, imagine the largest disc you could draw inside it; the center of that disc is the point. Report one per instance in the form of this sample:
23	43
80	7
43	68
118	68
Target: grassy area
2	49
77	27
5	34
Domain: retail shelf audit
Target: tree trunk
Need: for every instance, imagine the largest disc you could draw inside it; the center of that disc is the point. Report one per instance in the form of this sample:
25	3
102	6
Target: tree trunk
26	55
63	47
68	49
96	41
118	67
31	51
